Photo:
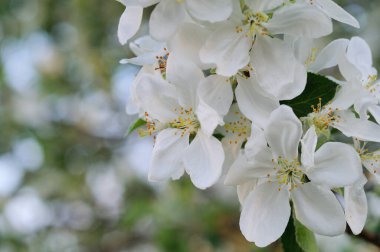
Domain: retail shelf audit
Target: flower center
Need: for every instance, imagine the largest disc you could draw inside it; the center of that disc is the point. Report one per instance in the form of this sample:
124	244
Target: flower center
253	23
162	62
371	158
288	173
186	121
239	128
322	118
312	57
152	126
372	86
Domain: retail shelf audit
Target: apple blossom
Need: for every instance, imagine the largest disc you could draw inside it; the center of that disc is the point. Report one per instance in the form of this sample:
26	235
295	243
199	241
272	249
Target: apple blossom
176	109
283	175
214	79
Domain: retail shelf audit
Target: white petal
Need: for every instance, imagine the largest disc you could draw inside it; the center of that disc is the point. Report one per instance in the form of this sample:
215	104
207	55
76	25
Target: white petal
146	3
145	59
259	5
165	19
303	48
346	96
215	99
376	89
157	97
363	103
246	168
254	102
231	152
208	118
360	55
297	86
167	155
257	140
375	112
265	214
284	132
227	49
277	69
203	160
216	91
209	10
338	13
133	103
301	21
146	44
235	130
356	205
329	56
373	165
187	42
129	23
358	63
351	126
317	208
336	165
186	76
146	50
143	3
309	143
245	189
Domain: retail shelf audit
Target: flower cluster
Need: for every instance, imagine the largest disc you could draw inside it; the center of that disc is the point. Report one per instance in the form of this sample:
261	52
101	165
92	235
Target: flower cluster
218	88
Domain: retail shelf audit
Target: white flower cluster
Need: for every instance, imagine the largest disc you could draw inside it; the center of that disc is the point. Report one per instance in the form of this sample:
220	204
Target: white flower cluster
214	79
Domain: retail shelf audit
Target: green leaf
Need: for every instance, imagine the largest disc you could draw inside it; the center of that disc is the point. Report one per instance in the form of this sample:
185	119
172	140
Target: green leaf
218	136
288	239
297	238
305	238
137	124
317	87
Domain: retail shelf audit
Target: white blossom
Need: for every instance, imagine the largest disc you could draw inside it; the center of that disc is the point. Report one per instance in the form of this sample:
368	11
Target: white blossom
284	175
176	108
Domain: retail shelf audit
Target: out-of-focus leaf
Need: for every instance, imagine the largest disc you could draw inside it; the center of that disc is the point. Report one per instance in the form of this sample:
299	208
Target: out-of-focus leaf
317	87
137	124
218	136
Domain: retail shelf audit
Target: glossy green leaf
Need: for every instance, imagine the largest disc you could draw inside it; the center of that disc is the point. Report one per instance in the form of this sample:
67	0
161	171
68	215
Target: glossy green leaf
317	87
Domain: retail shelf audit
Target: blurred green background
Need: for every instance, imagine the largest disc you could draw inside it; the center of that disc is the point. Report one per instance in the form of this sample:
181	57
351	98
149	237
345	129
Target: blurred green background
69	178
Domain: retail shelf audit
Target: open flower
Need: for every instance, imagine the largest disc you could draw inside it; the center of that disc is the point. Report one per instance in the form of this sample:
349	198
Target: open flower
370	159
333	115
360	86
250	37
334	11
177	109
169	14
271	160
147	51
